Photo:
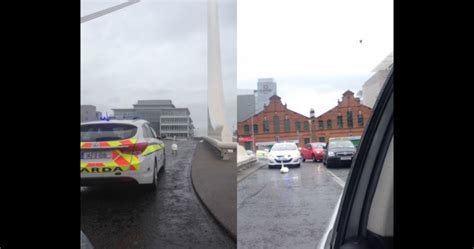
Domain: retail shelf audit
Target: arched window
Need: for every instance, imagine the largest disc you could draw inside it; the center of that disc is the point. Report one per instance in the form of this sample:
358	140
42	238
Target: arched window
266	126
255	129
339	120
298	125
276	124
349	118
360	119
246	129
329	124
321	124
306	125
287	124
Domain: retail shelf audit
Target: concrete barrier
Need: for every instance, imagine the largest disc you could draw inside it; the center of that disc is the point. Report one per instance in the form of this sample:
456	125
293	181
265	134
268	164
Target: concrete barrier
242	158
228	151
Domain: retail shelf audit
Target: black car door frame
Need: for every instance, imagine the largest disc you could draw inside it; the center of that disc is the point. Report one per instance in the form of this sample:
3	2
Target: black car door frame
351	221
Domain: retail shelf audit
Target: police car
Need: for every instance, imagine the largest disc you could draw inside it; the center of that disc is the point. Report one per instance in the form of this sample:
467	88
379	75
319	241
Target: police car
121	151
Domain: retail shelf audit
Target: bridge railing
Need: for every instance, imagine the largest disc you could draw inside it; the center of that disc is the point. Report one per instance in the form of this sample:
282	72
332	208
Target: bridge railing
227	150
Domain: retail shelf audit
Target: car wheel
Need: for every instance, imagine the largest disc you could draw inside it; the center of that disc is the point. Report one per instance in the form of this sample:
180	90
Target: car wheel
314	158
304	160
328	165
164	162
324	162
153	186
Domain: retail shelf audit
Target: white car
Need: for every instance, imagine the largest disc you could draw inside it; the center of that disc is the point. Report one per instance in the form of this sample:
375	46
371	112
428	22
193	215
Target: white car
120	151
284	153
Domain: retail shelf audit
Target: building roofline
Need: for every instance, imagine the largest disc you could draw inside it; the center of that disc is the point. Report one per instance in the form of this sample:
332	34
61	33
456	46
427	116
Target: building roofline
335	108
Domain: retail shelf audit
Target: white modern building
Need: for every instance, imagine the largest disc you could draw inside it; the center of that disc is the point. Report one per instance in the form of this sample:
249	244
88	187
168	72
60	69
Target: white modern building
163	116
372	87
176	123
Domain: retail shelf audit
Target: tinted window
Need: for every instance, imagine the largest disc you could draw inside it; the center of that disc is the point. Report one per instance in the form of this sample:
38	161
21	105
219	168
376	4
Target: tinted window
341	144
106	132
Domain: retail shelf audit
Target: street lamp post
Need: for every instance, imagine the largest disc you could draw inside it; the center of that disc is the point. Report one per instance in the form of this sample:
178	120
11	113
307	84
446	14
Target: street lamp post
298	136
310	131
251	128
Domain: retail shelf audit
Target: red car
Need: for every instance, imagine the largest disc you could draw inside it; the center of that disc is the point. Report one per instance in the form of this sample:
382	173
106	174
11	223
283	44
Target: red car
314	151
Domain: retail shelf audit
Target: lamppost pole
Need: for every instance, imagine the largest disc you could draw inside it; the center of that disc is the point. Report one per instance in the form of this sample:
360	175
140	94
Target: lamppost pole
251	127
107	11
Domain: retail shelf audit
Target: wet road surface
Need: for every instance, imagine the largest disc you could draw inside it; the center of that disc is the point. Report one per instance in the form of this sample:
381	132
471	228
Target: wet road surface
172	217
287	210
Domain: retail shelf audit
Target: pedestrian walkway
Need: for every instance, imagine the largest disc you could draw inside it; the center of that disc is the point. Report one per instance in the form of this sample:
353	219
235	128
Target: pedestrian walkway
214	181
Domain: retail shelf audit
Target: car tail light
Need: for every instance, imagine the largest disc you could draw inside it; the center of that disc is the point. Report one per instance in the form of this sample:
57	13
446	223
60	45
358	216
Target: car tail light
135	149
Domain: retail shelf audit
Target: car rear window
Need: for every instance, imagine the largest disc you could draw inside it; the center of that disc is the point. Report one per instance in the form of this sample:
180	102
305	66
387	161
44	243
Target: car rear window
107	132
341	144
318	146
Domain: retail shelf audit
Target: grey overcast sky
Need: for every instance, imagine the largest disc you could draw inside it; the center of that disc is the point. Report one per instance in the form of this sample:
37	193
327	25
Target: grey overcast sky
312	47
155	49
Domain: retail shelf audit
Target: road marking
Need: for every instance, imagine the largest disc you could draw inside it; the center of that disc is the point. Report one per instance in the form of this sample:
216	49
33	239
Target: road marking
337	179
241	175
330	226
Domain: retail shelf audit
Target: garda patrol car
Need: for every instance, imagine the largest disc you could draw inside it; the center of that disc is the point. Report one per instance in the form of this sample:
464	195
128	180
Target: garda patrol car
120	151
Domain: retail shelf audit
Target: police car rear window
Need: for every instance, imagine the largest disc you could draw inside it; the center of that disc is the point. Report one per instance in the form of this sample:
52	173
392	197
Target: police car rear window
107	132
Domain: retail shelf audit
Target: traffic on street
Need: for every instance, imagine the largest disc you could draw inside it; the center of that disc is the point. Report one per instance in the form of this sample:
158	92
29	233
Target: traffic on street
289	210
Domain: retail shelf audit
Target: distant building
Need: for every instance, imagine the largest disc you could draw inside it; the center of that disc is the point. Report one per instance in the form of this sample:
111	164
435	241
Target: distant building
163	116
98	115
176	122
88	113
274	123
266	88
372	87
348	118
245	106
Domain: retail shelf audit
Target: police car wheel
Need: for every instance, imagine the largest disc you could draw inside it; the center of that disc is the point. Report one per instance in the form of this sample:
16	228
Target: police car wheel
154	184
164	162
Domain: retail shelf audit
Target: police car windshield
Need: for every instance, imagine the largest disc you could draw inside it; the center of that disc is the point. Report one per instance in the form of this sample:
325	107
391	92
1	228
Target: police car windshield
281	147
106	132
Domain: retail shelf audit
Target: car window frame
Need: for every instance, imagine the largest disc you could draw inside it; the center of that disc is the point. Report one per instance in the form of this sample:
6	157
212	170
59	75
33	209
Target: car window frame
145	131
152	131
348	223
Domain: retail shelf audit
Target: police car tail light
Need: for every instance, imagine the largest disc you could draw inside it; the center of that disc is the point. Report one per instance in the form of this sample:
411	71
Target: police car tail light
135	149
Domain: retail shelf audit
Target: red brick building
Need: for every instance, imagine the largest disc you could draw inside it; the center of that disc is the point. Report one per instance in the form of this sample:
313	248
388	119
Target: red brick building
348	118
275	123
